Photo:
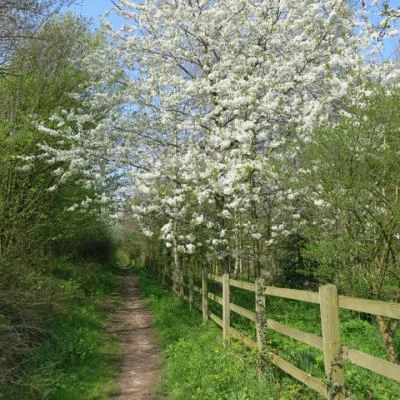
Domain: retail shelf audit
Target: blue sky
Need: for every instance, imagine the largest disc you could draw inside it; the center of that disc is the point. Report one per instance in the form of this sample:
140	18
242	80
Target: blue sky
94	9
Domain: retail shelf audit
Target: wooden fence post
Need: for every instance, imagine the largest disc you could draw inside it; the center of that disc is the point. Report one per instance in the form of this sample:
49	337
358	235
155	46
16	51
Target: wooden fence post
191	297
331	341
226	317
261	322
204	290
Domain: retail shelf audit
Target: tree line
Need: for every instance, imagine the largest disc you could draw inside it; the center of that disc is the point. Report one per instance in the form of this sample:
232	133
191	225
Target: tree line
41	66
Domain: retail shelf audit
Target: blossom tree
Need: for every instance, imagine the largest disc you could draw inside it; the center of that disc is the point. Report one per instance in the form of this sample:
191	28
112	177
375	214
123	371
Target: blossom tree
204	102
218	88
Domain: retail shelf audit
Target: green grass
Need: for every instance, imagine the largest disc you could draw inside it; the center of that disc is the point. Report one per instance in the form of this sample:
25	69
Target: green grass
196	366
73	358
356	333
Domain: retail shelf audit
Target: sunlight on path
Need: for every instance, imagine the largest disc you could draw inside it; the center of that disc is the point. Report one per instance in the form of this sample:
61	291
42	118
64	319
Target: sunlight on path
140	352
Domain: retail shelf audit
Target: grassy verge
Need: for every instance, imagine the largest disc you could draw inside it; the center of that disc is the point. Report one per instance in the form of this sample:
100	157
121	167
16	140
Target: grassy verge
195	364
356	332
66	353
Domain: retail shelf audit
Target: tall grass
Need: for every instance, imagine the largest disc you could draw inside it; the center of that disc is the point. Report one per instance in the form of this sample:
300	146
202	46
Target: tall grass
54	344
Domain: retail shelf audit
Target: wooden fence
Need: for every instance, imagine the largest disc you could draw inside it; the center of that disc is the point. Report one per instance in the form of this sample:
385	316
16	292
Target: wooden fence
329	301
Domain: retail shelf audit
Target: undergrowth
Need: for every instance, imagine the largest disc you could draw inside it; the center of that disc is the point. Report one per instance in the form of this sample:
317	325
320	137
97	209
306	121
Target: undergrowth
54	346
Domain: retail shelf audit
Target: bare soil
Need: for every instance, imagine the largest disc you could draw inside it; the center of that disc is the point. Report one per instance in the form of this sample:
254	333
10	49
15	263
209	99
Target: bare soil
133	327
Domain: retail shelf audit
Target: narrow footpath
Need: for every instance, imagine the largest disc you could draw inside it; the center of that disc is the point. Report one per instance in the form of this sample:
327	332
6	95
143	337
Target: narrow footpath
140	353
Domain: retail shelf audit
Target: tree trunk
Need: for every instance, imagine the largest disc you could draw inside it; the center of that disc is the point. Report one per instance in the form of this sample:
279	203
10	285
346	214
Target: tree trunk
175	273
225	265
388	331
256	258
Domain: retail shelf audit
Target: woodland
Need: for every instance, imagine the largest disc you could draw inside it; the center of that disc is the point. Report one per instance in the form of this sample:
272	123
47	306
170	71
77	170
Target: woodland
249	137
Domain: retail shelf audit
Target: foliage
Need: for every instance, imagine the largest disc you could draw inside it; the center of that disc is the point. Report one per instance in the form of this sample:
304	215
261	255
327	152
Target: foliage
265	132
52	332
201	113
352	175
19	20
34	219
351	209
210	115
294	269
51	279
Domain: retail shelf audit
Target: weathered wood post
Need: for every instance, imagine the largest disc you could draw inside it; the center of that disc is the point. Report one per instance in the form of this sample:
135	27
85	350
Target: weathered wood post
331	341
204	291
191	295
261	323
226	315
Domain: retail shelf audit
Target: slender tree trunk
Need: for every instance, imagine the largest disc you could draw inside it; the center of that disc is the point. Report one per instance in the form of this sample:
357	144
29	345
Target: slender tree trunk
238	269
225	265
248	268
177	267
237	266
256	258
388	330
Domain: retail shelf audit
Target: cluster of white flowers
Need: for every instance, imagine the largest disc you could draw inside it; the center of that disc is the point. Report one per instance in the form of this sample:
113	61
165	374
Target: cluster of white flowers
196	103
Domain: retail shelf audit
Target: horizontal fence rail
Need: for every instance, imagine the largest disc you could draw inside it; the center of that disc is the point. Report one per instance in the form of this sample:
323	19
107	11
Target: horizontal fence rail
329	302
374	307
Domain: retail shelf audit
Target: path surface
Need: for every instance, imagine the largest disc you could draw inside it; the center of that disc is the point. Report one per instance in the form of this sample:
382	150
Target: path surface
140	352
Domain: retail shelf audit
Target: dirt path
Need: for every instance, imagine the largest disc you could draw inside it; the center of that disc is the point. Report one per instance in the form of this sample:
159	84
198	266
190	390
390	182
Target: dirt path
140	352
